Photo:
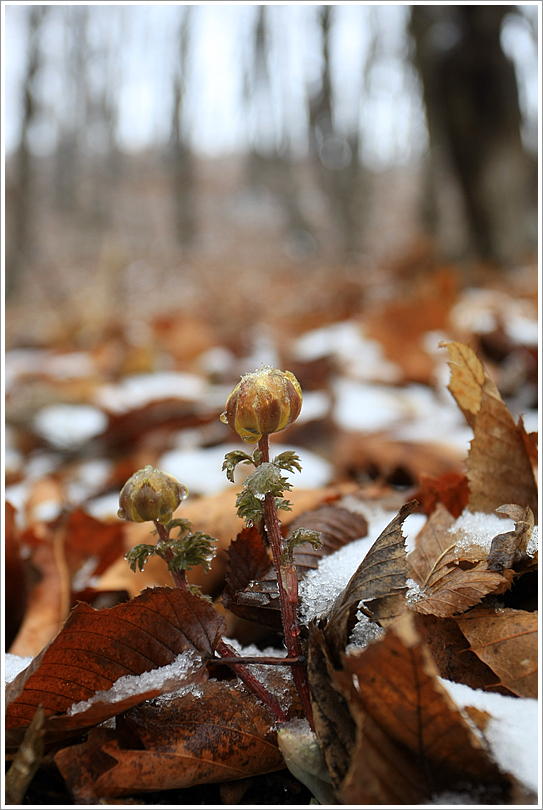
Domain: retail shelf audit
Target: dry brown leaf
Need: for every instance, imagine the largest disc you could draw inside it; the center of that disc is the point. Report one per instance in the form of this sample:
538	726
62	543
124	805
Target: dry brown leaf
396	684
451	489
334	726
96	648
507	641
221	733
49	600
499	464
510	547
401	323
379	582
446	587
452	655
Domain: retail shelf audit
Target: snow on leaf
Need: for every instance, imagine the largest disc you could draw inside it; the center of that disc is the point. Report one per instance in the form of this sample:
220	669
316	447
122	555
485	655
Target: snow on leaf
411	737
380	582
221	733
96	648
446	587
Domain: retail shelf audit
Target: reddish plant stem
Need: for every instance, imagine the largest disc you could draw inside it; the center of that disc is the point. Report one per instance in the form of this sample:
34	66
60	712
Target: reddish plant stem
287	582
251	682
224	650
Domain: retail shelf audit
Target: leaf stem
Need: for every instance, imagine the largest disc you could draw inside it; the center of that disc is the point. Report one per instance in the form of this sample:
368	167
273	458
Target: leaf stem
245	675
287	581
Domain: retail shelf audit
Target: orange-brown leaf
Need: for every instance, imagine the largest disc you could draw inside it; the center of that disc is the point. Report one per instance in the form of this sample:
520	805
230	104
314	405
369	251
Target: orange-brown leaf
499	464
446	587
396	685
506	640
220	734
96	648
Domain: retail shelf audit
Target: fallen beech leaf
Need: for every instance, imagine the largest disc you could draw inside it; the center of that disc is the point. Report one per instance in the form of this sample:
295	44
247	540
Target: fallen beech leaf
506	640
510	547
451	489
452	656
49	600
379	582
96	648
446	587
259	601
221	733
499	464
334	726
396	685
90	541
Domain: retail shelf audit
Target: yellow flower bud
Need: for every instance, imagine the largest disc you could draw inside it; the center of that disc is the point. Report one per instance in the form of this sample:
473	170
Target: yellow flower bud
262	403
150	495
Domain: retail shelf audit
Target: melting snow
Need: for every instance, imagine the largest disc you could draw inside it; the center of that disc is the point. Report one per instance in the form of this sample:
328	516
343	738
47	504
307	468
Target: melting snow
184	665
479	529
13	664
199	469
357	355
70	426
138	390
512	731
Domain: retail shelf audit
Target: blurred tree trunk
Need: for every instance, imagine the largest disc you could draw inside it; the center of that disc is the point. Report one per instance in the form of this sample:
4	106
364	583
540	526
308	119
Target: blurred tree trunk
22	208
67	157
474	121
269	167
180	158
336	155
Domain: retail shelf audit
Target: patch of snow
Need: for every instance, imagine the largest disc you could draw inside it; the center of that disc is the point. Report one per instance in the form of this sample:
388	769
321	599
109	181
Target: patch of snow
365	407
511	733
522	330
105	507
13	664
184	665
138	390
87	479
364	632
318	589
200	469
315	405
478	529
356	354
47	511
414	592
70	426
39	362
217	361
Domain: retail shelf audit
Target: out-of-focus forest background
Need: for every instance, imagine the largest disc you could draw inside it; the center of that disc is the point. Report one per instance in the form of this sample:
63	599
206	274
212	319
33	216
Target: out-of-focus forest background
200	159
